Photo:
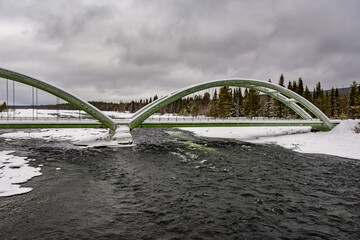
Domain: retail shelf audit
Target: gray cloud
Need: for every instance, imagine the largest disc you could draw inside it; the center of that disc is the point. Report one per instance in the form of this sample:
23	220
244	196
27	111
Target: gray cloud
121	50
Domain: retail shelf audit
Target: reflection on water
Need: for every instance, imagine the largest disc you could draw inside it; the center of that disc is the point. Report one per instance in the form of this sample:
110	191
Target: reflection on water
172	185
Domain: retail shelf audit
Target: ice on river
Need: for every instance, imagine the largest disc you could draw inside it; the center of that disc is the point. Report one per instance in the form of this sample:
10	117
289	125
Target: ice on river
13	171
342	141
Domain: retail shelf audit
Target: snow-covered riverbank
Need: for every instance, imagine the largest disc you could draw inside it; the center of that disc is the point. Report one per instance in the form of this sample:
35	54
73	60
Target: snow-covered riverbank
342	141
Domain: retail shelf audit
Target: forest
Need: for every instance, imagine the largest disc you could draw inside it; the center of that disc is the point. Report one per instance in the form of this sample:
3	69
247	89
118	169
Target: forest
236	102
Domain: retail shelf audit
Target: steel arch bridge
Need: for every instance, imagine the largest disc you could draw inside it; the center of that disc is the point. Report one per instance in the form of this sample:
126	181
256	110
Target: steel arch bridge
286	96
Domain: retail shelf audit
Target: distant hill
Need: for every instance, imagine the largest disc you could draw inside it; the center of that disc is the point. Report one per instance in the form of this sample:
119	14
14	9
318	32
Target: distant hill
342	91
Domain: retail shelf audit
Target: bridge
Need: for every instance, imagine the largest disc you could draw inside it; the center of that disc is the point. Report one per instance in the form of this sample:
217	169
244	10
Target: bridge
144	118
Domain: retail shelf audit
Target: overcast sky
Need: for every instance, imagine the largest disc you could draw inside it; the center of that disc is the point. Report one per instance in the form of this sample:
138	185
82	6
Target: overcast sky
121	50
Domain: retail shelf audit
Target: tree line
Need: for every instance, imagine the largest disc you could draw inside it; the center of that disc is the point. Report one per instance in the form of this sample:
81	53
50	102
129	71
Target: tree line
237	102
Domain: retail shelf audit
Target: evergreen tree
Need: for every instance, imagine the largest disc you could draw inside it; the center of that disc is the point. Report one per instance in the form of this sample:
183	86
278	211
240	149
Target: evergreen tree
3	107
238	102
281	80
269	106
353	99
132	107
295	87
318	94
225	103
252	104
336	103
332	102
290	86
357	104
344	106
212	112
246	92
194	109
307	94
300	89
279	106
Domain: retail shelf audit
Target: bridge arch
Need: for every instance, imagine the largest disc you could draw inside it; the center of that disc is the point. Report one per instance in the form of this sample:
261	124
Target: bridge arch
286	96
72	99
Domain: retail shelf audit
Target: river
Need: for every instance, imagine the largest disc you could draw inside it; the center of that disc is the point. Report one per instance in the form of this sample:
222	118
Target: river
173	185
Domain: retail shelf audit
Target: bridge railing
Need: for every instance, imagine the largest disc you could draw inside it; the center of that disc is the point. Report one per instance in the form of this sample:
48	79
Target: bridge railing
164	118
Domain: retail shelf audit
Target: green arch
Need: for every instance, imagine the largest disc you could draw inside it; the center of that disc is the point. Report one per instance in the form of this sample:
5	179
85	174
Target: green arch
72	99
288	97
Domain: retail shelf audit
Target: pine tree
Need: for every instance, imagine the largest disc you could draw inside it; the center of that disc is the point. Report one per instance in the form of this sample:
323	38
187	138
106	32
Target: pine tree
225	103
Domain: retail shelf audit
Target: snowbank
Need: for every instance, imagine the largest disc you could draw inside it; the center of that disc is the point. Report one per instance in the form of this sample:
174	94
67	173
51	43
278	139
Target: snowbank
13	171
342	141
80	137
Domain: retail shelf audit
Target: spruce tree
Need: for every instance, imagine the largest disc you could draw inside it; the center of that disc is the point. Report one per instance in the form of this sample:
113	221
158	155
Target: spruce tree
280	107
269	106
290	86
225	103
300	85
337	103
212	112
238	101
353	99
295	87
252	104
332	102
307	94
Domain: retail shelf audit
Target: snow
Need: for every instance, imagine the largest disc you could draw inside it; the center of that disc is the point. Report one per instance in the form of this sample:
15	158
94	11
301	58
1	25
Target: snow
51	113
13	171
342	141
80	137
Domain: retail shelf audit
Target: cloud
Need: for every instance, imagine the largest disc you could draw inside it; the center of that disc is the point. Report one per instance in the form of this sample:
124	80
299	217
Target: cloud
122	50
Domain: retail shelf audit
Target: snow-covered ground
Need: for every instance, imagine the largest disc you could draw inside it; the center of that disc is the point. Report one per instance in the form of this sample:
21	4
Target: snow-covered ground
343	140
13	171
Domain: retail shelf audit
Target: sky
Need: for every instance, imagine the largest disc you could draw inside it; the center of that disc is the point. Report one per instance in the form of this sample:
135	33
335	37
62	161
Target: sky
127	50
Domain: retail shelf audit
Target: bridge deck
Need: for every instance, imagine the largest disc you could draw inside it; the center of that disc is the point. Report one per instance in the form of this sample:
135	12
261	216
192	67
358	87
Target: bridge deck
157	122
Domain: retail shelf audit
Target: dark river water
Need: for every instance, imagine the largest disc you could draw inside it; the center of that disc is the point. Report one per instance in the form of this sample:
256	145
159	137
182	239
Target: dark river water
173	185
